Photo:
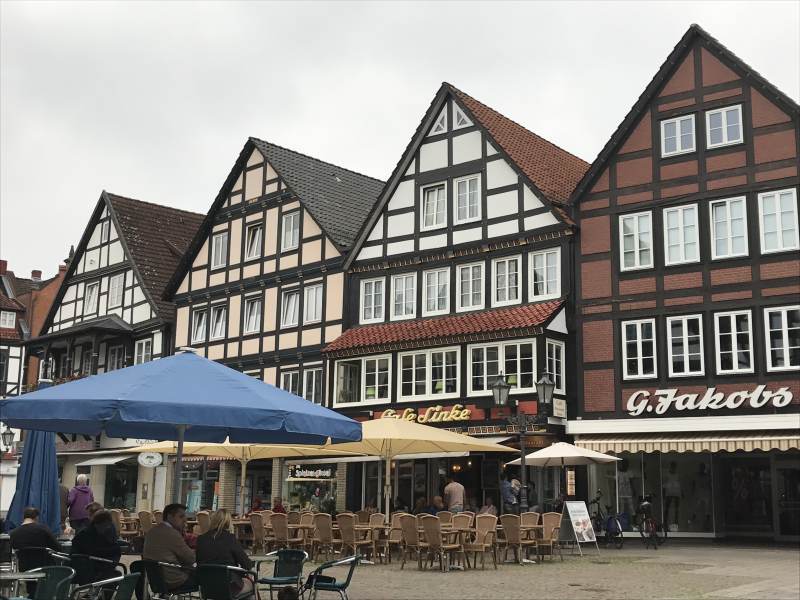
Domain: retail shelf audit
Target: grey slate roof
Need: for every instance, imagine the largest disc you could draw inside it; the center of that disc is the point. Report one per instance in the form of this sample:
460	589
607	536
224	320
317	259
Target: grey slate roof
339	199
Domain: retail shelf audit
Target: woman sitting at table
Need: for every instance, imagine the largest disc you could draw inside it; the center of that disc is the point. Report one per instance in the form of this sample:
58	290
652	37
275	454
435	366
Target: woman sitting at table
99	539
219	546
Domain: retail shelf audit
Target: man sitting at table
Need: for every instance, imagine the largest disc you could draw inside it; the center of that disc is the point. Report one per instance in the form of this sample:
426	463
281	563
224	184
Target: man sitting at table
277	505
165	543
32	534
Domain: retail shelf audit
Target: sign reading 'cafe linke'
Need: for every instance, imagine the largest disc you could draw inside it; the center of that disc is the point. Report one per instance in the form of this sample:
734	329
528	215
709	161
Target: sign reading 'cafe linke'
662	401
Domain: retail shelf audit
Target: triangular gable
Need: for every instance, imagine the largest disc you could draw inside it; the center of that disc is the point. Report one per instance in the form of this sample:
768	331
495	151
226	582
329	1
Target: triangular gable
559	323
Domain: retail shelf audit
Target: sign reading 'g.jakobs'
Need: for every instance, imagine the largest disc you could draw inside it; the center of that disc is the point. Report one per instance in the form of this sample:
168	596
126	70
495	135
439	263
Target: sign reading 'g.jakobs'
662	401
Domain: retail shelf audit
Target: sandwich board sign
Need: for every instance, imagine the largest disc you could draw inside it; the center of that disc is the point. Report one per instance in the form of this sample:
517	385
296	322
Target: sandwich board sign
576	525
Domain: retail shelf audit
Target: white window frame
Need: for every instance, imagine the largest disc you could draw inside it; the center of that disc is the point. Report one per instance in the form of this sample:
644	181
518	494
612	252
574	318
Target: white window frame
374	318
403	316
215	309
118	353
141	353
291	374
727	202
637	249
725	141
457	110
312	371
247	327
562	389
549	294
284	297
105	231
639	322
518	300
259	252
290	222
8	319
119	278
679	149
794	244
785	335
501	361
467	219
204	332
219	252
312	292
681	211
478	306
429	393
363	382
684	342
735	350
422	212
95	299
437	311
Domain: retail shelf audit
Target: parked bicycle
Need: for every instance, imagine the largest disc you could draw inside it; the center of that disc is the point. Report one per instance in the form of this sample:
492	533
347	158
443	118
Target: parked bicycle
606	525
650	529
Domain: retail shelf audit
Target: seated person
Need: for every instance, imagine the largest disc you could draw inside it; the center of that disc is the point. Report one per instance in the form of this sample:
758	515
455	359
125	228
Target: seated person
218	546
32	534
165	543
277	505
488	507
436	506
420	506
258	505
99	539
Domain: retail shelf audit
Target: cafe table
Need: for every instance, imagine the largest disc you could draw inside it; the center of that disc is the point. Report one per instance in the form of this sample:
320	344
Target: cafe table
12	579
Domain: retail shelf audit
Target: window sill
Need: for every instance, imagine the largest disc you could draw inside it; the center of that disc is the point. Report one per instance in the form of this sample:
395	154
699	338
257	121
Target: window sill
678	153
710	146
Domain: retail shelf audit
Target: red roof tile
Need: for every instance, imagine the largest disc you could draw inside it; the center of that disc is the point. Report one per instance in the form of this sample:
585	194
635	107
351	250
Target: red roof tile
441	328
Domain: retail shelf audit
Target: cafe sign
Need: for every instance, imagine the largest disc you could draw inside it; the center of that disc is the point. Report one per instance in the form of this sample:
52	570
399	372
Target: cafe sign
312	471
662	401
432	414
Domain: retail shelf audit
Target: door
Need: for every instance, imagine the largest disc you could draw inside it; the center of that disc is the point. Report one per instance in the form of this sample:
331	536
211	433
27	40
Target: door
787	498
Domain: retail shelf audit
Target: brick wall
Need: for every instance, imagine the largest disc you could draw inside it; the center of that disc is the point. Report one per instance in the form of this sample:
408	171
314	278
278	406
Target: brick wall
598	391
598	341
596	279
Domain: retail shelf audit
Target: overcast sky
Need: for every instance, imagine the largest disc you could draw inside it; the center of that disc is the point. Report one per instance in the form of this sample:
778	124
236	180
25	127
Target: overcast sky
155	100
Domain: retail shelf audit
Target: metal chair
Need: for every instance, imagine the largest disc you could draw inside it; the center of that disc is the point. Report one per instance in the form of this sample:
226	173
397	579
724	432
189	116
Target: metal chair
56	583
118	588
318	582
89	569
287	570
153	572
33	558
214	582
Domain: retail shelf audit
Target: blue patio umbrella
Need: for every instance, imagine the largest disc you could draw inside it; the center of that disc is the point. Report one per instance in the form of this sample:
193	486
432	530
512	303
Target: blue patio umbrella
181	397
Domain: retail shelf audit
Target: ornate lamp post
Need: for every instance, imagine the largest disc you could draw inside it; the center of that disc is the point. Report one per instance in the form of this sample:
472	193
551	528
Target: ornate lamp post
7	438
544	390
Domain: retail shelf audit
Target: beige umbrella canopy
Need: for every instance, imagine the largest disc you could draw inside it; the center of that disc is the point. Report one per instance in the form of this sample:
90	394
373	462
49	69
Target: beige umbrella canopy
562	454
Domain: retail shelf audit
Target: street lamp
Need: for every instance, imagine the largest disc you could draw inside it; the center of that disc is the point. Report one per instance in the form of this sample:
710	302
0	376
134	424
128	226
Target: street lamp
544	390
7	438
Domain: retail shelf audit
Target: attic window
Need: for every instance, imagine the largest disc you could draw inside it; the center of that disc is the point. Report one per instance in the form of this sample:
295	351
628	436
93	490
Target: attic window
440	125
8	319
460	118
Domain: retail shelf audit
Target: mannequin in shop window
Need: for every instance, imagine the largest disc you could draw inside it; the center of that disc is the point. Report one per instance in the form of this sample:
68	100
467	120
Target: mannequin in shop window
626	489
672	496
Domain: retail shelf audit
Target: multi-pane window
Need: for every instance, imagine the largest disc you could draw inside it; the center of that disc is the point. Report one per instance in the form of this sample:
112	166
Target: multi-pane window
253	241
434	206
8	319
143	352
506	281
312	303
636	241
554	365
724	126
116	286
545	281
516	360
376	379
290	381
470	286
783	337
639	349
734	342
312	385
219	250
677	135
728	228
116	358
199	326
90	297
680	235
252	315
289	314
429	373
468	199
404	296
219	315
778	212
371	300
291	231
413	374
685	345
437	292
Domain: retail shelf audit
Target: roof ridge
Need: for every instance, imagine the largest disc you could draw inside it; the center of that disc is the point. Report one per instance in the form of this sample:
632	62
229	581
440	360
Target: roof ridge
112	195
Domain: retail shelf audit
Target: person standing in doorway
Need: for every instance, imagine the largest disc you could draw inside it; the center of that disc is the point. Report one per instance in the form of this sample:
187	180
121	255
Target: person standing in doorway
79	498
454	495
508	496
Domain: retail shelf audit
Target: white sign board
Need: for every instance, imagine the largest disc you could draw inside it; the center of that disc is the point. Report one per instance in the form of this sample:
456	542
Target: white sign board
576	525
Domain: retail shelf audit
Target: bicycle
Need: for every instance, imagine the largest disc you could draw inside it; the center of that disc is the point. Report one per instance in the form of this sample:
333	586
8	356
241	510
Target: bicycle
651	531
608	524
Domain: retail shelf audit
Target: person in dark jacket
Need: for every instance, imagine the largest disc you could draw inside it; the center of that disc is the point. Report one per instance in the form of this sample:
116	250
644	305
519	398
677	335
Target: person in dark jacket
99	539
32	534
79	498
218	546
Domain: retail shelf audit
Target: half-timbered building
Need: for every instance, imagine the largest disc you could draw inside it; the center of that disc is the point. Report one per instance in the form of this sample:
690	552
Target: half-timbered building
687	279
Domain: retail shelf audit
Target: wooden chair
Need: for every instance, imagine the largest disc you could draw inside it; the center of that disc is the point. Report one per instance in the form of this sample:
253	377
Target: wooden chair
203	522
437	546
158	516
123	530
294	517
471	516
350	538
280	532
307	532
484	540
411	541
322	539
146	522
445	517
551	526
529	519
514	539
395	537
363	517
380	542
462	521
259	532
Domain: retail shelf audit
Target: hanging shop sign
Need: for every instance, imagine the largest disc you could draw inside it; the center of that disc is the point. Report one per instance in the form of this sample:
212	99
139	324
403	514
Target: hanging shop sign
662	401
432	414
149	459
312	471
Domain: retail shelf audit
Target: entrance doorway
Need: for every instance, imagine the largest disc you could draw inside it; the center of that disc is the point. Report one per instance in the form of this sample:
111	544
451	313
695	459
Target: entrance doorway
786	478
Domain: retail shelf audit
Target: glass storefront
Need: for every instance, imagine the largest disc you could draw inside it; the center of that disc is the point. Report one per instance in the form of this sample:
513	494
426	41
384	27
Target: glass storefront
121	485
199	484
312	487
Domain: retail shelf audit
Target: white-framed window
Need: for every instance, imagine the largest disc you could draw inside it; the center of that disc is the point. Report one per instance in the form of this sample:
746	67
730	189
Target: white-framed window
734	337
724	126
554	365
685	345
436	292
219	318
116	358
105	230
290	310
371	300
469	279
681	243
728	227
8	319
312	385
363	380
434	207
636	241
429	374
86	362
143	352
199	325
639	349
677	135
404	296
290	382
290	226
778	213
783	337
254	240
90	297
468	199
312	303
116	287
219	250
516	360
506	280
545	277
252	315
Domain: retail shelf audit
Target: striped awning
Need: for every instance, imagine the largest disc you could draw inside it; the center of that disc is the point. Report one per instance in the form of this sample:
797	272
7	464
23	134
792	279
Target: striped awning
693	442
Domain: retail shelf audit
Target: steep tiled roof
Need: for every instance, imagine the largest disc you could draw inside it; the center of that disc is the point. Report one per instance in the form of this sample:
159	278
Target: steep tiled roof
407	333
7	303
157	236
553	170
339	199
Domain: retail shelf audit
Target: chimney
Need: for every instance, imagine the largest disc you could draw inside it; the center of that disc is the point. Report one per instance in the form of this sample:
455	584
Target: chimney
62	269
3	267
36	275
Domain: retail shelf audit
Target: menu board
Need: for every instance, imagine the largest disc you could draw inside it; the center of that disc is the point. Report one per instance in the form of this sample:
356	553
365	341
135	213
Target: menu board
576	525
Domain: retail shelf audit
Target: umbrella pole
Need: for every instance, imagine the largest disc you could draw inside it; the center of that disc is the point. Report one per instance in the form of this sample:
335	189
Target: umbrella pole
242	485
176	477
387	488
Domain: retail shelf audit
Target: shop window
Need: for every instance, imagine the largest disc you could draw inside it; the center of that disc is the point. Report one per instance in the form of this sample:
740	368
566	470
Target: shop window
429	374
506	282
470	286
783	335
734	342
685	345
545	277
364	380
219	250
724	126
516	360
778	213
677	135
404	296
371	300
636	241
680	235
639	349
728	228
437	292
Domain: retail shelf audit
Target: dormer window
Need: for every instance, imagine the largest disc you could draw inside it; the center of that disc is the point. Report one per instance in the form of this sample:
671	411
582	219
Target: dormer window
8	319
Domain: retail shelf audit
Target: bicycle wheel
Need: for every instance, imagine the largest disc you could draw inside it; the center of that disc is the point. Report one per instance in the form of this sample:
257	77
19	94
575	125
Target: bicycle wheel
619	539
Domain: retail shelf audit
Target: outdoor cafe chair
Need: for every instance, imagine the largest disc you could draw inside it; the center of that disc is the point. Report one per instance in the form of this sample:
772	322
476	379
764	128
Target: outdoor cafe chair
214	582
395	537
513	537
153	572
471	516
445	517
326	583
438	547
380	541
259	532
33	558
6	553
548	543
280	531
350	537
287	570
294	517
363	517
462	521
54	586
122	530
306	529
484	540
412	544
322	538
529	519
89	569
118	588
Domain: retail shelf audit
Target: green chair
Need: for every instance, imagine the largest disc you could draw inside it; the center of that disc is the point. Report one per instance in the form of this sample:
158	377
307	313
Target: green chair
214	582
55	585
326	583
288	569
118	588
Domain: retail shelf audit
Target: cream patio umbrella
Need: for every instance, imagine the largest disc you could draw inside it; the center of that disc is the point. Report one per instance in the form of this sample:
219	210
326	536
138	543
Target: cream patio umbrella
391	437
562	454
